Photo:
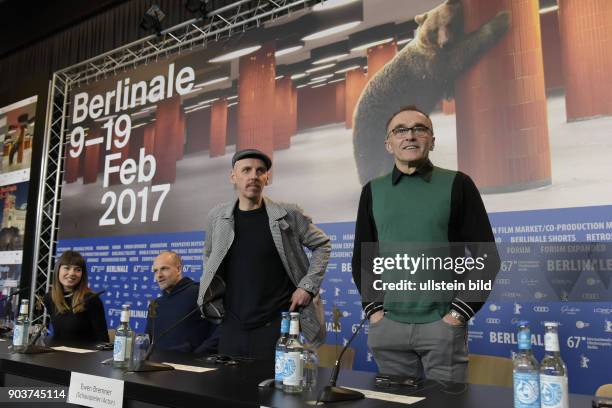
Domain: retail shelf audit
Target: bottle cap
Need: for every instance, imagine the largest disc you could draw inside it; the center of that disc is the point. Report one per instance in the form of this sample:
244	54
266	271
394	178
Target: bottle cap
294	314
551	324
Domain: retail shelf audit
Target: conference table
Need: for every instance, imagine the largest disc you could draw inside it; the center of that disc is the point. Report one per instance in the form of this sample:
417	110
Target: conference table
229	386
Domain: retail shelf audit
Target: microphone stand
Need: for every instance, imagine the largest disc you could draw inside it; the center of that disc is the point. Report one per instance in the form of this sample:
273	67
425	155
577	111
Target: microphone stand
331	393
145	364
32	347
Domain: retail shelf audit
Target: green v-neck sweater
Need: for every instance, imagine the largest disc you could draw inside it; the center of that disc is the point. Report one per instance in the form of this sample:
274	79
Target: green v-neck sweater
412	211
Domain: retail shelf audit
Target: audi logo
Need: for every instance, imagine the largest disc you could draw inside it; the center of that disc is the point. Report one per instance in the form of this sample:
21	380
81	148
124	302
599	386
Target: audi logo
493	320
541	309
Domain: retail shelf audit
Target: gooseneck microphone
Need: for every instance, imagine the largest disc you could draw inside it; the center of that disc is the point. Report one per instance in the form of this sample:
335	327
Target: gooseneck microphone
88	298
331	393
145	364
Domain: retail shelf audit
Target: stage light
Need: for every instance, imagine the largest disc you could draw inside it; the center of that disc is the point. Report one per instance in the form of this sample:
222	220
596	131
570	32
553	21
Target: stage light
322	77
301	86
336	80
235	54
229	105
330	4
318	86
347	69
331	31
279	77
550	9
211	82
319	68
372	37
404	41
288	50
229	98
330	52
372	44
298	76
152	18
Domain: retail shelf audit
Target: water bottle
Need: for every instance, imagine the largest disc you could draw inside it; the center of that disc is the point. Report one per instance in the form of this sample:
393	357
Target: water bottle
124	336
525	373
21	331
293	372
553	372
141	346
310	362
281	347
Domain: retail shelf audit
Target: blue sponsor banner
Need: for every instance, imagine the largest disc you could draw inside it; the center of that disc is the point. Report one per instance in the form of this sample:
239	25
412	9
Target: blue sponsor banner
122	266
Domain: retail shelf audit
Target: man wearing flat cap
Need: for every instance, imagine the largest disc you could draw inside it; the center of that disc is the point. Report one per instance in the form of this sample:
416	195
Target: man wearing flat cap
257	246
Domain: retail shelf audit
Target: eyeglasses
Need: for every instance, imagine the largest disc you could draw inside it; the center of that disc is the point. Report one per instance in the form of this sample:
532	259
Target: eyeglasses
417	131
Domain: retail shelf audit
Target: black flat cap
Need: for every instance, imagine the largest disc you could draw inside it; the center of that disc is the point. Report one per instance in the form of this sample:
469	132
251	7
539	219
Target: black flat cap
252	154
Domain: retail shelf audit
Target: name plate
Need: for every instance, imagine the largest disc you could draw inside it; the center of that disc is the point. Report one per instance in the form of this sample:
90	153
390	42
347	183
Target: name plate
94	391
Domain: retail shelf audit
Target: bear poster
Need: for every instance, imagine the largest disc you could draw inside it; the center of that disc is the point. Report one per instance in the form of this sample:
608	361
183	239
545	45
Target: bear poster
150	148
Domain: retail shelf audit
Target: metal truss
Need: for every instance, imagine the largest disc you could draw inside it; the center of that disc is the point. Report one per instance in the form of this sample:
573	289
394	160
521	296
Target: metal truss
218	24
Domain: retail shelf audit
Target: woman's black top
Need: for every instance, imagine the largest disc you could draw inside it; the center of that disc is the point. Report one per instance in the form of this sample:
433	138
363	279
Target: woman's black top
87	326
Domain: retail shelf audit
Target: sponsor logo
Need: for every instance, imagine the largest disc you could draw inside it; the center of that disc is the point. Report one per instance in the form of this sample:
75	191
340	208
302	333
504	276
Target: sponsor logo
336	292
493	320
494	308
369	357
584	361
592	281
540	295
603	310
590	296
471	321
608	326
335	280
561	281
353	292
321	291
541	309
529	282
510	338
581	325
569	310
511	295
502	281
517	309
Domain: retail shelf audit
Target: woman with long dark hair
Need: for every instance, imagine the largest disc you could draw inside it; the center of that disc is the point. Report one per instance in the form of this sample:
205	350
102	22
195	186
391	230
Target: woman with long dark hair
76	316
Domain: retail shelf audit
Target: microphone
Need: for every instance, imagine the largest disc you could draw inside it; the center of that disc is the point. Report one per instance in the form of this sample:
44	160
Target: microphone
17	292
331	393
145	364
87	299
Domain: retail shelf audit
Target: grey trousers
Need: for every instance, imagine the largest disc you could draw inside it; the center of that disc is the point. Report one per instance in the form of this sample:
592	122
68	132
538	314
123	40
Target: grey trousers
433	350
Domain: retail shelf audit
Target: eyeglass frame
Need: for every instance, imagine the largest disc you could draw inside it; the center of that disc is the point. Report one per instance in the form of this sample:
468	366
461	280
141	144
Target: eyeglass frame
411	130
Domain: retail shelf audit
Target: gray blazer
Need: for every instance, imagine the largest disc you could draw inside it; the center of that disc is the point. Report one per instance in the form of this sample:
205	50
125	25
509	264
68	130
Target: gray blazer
291	230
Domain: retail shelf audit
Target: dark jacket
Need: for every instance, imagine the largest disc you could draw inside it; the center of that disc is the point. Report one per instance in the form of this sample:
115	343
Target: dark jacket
194	334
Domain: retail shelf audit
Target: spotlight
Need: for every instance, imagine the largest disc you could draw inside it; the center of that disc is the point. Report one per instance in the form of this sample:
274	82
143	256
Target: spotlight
152	18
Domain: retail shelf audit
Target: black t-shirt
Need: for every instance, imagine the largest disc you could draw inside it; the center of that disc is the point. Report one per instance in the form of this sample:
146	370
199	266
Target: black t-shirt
258	287
88	326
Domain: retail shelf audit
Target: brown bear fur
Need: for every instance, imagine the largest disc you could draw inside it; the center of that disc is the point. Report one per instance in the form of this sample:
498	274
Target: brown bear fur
420	74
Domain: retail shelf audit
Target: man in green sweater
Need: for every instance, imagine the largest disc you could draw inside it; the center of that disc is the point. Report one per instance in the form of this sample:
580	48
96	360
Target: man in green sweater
414	204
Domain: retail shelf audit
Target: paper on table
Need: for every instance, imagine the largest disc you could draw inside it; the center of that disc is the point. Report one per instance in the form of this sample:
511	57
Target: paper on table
385	396
194	369
73	350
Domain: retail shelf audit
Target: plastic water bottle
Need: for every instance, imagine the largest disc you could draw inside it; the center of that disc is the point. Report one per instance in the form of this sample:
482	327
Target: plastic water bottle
553	372
525	372
124	336
21	331
281	348
293	372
